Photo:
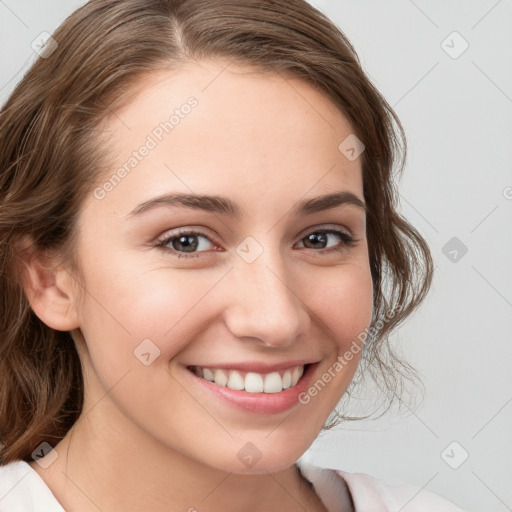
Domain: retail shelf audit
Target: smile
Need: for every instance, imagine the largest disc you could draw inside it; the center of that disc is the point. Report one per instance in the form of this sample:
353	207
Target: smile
251	382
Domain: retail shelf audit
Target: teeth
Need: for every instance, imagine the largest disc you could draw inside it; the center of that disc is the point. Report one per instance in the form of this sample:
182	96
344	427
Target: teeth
220	378
273	383
287	379
251	382
296	375
235	381
207	374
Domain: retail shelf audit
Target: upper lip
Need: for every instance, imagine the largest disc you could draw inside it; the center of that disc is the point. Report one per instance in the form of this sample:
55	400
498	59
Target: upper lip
257	367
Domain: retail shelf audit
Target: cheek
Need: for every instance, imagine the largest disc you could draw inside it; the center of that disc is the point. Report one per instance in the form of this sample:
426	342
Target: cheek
134	325
162	305
344	303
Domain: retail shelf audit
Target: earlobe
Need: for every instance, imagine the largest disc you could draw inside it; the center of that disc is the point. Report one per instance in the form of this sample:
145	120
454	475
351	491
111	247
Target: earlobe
49	289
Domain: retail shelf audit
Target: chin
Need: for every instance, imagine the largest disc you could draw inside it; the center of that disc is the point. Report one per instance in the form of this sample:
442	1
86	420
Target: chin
262	456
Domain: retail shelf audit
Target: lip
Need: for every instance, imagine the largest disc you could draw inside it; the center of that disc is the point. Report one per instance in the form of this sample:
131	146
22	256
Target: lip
258	403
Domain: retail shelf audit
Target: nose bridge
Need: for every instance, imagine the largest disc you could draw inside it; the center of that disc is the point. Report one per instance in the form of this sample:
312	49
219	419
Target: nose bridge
263	301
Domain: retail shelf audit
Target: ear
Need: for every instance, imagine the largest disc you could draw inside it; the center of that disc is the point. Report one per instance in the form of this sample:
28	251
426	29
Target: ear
50	290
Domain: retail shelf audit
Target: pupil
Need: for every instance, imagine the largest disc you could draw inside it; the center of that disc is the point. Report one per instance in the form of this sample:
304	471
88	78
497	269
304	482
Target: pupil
314	237
184	241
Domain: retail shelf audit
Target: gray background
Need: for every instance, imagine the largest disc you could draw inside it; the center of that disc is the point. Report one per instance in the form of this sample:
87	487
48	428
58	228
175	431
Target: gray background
456	111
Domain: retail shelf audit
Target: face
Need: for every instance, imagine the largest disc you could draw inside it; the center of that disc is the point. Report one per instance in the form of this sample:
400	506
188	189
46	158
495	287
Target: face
262	289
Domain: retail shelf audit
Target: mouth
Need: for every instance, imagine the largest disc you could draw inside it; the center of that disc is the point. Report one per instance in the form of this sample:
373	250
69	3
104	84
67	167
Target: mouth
251	387
252	382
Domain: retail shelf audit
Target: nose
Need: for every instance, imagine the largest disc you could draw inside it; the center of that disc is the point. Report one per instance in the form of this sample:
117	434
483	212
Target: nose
265	301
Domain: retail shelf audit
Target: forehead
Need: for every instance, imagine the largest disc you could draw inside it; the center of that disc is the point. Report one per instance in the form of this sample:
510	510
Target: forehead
216	127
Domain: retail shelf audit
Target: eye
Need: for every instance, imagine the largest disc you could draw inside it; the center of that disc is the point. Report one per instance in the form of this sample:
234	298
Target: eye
189	243
186	241
321	237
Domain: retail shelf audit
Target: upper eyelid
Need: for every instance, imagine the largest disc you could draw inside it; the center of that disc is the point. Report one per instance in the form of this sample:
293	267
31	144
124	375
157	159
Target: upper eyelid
173	233
326	227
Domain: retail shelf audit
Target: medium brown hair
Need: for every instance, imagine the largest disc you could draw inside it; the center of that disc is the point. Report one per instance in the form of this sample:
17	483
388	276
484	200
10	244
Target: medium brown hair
50	158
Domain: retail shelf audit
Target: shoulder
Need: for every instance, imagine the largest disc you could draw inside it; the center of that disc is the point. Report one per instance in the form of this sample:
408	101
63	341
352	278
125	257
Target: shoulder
340	489
367	490
23	490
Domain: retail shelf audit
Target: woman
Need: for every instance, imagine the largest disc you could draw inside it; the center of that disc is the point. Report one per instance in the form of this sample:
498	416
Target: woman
199	246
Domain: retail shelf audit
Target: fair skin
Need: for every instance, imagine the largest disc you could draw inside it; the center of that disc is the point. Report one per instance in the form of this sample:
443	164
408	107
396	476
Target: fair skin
151	437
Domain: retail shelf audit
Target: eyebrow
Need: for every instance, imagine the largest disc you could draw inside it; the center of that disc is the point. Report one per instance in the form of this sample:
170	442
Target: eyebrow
224	206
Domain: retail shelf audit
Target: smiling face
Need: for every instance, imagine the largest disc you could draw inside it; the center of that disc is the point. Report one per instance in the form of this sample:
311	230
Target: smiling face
258	287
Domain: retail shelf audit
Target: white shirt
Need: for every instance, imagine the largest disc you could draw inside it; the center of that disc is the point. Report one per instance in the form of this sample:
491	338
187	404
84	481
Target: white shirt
23	490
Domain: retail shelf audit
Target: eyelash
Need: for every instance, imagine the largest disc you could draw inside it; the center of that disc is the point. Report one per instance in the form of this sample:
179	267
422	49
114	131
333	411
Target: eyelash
348	241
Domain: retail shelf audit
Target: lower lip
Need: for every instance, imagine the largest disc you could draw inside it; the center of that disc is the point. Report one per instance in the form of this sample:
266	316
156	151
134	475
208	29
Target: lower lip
260	403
